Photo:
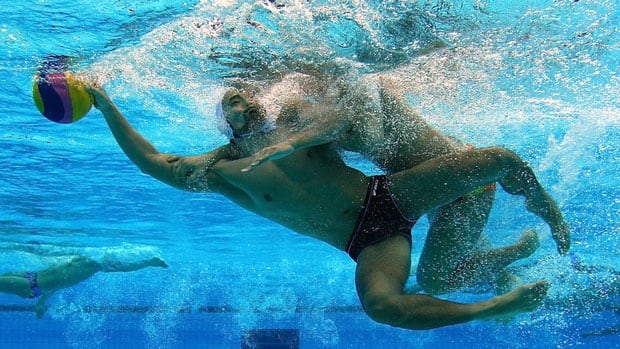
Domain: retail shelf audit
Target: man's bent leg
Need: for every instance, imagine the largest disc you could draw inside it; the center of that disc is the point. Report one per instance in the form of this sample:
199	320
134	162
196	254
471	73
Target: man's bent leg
489	265
382	270
380	277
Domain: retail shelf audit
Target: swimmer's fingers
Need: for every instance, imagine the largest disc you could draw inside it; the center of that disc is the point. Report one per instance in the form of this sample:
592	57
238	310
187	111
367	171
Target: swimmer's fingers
260	158
94	88
253	165
273	152
158	262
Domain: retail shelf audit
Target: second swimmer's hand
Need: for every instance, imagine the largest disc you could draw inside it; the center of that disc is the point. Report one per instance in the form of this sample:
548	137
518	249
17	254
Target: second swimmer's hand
273	152
561	235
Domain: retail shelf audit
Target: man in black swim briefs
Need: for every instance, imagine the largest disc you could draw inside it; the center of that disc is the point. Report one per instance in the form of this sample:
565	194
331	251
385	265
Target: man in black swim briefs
313	192
380	218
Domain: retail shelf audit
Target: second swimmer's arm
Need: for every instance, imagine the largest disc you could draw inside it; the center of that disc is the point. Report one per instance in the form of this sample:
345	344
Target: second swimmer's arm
327	125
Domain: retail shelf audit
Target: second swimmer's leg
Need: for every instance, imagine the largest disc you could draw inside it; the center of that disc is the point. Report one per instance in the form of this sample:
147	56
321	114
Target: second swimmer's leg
453	235
487	265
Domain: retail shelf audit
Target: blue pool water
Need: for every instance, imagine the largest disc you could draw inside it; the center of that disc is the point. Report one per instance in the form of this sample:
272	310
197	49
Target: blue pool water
539	77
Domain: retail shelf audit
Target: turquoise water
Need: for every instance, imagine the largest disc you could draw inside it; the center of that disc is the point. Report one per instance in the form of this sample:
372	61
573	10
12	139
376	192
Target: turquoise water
539	77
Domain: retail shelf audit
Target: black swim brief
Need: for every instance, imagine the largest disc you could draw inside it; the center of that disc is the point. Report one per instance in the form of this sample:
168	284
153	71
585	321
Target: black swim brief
379	219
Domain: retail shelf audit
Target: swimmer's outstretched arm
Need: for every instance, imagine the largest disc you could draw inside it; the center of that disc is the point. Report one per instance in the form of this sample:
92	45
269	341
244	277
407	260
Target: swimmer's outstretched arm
183	172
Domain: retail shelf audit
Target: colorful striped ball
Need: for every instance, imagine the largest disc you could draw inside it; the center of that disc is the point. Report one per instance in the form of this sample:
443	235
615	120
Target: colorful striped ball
60	97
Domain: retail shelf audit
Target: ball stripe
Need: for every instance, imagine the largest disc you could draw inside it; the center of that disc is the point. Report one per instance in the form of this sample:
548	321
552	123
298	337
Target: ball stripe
56	98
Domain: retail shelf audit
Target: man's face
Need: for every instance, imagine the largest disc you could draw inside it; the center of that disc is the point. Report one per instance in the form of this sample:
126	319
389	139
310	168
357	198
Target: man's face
235	106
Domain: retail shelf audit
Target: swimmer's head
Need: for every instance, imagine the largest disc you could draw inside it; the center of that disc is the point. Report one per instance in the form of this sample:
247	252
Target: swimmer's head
238	116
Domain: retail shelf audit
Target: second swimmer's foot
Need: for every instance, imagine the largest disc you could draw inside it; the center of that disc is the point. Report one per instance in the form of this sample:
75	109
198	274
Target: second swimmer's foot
528	243
505	282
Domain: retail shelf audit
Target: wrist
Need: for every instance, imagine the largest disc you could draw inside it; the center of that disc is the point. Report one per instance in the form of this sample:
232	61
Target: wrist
106	107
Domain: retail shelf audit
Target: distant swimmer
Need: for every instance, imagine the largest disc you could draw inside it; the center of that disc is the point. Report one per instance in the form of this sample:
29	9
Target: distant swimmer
313	192
40	285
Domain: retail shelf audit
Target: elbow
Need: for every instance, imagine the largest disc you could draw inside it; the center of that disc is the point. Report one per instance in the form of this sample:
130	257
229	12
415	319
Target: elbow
160	168
146	168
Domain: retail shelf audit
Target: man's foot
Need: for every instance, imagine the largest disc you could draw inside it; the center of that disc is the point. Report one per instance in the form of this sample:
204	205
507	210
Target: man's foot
522	299
39	309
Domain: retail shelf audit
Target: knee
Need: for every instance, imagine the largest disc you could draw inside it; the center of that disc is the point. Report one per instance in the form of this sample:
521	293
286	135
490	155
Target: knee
385	310
511	162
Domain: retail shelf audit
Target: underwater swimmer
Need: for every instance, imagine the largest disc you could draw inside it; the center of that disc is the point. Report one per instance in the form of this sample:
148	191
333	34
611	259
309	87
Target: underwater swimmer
314	193
368	116
42	284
